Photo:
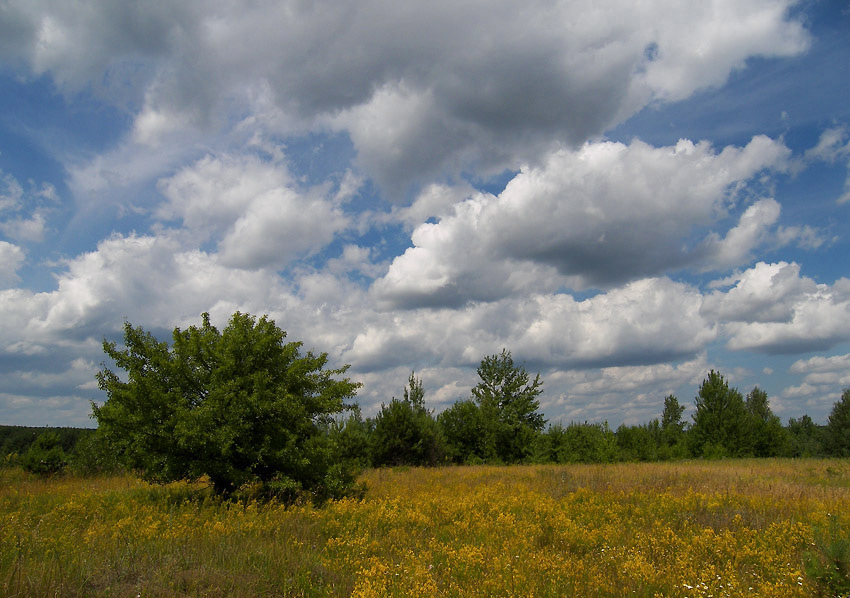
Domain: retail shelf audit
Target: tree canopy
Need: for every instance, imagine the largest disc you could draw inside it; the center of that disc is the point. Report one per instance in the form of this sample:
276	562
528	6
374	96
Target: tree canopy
405	432
719	427
240	406
508	401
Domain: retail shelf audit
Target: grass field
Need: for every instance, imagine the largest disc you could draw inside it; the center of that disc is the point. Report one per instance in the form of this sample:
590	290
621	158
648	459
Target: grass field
727	528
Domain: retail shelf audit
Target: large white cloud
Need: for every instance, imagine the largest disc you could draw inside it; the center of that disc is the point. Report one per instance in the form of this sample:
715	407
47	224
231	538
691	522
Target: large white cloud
647	321
613	355
592	217
763	293
824	374
252	208
150	280
420	86
425	92
771	308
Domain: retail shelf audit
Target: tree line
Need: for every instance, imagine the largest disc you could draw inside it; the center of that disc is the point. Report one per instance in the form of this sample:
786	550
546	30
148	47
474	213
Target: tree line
501	424
243	407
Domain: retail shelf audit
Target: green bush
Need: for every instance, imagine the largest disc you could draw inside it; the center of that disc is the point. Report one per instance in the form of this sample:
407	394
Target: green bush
240	406
45	457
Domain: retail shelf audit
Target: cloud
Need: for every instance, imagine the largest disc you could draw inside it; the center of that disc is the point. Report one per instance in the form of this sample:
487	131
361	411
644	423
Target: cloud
25	229
774	310
57	410
11	259
148	280
23	212
833	145
824	379
763	293
596	217
251	208
645	322
481	85
679	62
839	364
735	248
634	394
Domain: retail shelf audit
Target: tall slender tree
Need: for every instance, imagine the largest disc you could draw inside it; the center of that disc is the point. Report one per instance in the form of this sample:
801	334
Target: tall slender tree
720	420
673	443
509	407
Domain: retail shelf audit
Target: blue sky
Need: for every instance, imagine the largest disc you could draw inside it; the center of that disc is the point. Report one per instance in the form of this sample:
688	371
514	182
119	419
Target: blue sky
624	195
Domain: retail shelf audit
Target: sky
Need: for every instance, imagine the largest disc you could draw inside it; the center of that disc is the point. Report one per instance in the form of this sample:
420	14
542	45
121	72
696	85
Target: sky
624	195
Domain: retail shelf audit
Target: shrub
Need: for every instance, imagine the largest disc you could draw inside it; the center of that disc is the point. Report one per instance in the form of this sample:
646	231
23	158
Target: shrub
45	457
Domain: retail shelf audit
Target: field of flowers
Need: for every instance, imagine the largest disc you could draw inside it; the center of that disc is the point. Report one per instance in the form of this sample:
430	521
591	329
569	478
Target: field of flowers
729	528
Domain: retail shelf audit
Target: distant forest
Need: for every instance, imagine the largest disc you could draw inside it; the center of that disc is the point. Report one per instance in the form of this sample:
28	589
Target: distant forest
492	429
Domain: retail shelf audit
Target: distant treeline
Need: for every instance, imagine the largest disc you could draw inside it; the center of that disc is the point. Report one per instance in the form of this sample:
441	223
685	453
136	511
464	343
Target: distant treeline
500	423
17	440
492	430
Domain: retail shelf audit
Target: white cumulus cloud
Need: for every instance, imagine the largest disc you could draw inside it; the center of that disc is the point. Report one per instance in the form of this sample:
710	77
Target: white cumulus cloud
252	208
593	217
773	309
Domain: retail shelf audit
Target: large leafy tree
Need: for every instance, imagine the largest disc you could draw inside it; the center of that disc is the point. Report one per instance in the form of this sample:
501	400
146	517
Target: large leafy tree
720	421
508	401
239	406
837	432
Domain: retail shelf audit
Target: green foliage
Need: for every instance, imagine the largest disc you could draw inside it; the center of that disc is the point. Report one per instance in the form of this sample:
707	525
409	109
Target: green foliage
94	456
577	443
828	564
406	433
671	417
639	443
15	441
461	426
240	406
45	456
804	438
767	437
414	393
508	402
673	443
352	436
720	425
837	433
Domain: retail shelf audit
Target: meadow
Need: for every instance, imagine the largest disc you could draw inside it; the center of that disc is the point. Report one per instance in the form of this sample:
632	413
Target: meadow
724	528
